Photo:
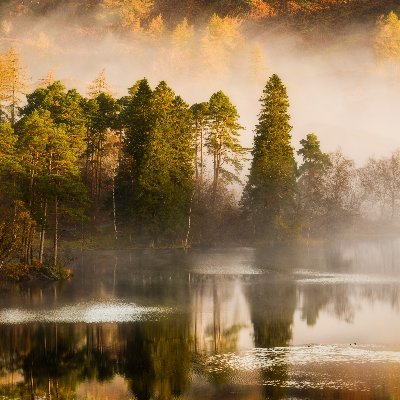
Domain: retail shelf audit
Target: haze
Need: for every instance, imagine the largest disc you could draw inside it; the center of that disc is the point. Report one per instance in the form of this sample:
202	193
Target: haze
341	92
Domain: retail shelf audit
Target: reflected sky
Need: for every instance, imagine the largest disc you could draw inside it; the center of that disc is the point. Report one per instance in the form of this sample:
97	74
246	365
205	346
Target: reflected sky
318	322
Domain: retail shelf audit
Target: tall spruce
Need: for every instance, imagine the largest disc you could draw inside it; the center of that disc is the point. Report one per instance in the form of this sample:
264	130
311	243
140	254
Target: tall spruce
268	198
310	182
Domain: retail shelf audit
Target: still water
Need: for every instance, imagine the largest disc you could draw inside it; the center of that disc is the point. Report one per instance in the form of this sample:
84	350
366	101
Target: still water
240	323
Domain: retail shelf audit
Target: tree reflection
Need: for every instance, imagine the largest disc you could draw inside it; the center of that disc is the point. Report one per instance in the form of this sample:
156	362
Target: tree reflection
272	307
55	359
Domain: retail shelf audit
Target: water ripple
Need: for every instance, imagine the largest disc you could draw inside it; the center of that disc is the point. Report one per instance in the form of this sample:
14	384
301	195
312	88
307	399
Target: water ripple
304	276
301	355
92	312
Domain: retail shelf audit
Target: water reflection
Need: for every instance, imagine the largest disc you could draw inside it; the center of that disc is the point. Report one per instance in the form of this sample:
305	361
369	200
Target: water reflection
274	324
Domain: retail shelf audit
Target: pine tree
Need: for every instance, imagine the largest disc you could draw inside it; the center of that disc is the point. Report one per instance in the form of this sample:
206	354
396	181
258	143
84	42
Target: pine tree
52	174
158	152
268	198
166	173
53	123
200	126
222	140
102	114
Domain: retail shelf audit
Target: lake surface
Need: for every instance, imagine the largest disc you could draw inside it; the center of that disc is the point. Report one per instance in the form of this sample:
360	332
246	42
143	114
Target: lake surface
322	322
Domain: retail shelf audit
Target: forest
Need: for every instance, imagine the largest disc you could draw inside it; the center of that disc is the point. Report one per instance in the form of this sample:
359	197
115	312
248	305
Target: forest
149	169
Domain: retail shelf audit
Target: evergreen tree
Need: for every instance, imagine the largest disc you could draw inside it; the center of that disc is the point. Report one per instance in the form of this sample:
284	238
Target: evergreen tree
268	198
52	175
222	140
135	123
310	181
53	119
159	145
65	107
101	113
200	123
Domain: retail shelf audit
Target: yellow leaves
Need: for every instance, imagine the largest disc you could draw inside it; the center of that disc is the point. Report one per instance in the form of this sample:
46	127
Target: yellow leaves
182	34
387	41
47	80
99	85
226	30
258	68
260	10
6	27
221	37
129	13
156	27
42	42
13	81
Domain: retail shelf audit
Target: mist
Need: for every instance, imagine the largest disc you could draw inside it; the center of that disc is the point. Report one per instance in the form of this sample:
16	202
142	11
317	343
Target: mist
339	91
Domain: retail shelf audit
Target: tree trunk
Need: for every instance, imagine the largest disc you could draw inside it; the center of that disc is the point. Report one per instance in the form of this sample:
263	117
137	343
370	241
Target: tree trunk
189	222
43	233
114	207
201	156
55	246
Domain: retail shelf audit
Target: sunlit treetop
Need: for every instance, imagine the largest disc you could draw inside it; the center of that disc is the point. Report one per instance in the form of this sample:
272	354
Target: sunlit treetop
387	42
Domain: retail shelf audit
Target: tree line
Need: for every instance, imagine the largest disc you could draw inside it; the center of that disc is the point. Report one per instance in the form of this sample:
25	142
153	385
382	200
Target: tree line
149	169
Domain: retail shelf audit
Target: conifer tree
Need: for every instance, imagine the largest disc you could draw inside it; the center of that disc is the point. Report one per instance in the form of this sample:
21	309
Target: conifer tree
156	28
310	181
51	173
200	126
129	13
102	120
14	84
221	37
222	140
99	85
53	123
159	148
268	198
47	80
387	41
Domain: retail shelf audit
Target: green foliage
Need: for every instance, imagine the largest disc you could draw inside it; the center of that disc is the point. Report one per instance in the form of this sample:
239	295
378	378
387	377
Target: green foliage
158	144
310	182
9	162
66	108
222	139
268	199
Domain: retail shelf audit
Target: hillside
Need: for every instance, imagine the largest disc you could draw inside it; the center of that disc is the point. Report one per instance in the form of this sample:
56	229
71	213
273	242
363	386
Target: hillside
301	15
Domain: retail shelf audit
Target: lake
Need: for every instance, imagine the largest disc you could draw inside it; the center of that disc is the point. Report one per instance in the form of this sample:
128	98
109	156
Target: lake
235	323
